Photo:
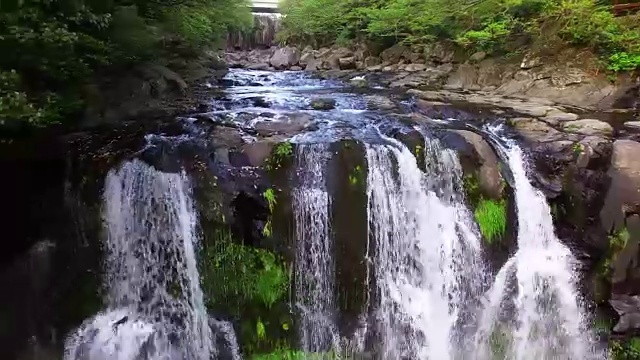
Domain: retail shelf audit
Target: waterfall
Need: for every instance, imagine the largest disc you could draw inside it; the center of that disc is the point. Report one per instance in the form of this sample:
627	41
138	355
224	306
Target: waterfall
426	252
533	310
155	307
314	263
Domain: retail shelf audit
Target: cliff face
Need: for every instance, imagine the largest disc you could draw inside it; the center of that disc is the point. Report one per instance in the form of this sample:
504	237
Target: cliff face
262	35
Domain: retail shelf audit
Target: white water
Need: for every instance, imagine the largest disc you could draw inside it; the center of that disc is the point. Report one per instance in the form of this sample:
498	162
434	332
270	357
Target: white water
155	306
426	255
315	270
533	301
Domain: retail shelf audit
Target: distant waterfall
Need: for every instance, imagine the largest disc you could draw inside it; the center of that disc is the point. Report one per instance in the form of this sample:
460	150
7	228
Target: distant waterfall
533	311
426	255
314	263
155	307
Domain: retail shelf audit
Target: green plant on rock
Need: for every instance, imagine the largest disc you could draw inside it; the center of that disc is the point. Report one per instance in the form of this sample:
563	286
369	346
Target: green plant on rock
628	350
491	216
281	152
291	354
623	61
270	196
355	175
239	274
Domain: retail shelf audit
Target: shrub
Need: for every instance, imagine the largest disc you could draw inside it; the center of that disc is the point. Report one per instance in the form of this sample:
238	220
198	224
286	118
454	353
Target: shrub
622	61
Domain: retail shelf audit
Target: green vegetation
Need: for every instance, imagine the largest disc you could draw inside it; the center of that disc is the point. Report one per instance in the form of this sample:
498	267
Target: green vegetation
602	280
491	216
251	285
288	354
629	350
270	196
51	49
279	155
493	26
356	176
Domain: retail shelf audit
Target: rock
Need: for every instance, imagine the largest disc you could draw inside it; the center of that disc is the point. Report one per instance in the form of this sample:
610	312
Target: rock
530	61
372	61
323	104
440	53
489	177
284	58
554	117
331	58
261	66
347	63
358	81
632	125
374	68
313	64
415	67
390	68
478	56
395	53
295	68
588	127
623	196
379	102
463	78
173	79
260	102
306	58
286	124
593	151
535	131
628	308
258	151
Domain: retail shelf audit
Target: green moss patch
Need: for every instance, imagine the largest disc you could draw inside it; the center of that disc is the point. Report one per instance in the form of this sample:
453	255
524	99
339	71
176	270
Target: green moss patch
628	350
491	216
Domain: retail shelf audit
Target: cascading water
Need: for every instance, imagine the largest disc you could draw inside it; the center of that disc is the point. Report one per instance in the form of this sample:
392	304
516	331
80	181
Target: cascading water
155	304
314	262
426	253
546	320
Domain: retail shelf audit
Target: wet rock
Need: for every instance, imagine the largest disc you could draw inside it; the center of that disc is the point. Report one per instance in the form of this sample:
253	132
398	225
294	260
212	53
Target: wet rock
415	67
632	126
535	131
295	68
347	63
593	152
358	81
323	104
628	308
284	58
489	177
260	102
257	152
287	124
379	102
588	127
374	68
259	66
623	196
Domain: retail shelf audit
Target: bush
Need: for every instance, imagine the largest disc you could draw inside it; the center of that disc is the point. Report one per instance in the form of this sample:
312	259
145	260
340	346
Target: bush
623	61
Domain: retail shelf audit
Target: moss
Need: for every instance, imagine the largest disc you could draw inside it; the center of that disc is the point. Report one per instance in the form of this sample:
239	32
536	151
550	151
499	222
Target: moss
356	176
602	281
472	190
289	354
270	196
627	350
491	216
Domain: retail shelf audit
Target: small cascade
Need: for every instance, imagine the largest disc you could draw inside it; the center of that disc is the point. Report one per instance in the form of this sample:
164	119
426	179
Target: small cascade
426	253
533	311
314	263
155	307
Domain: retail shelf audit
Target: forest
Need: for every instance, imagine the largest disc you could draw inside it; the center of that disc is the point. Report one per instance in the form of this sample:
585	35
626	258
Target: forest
50	48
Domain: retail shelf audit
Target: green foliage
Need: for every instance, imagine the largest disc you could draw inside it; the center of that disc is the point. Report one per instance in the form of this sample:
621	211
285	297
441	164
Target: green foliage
243	275
622	61
356	175
487	25
281	152
491	216
289	354
629	350
50	49
270	196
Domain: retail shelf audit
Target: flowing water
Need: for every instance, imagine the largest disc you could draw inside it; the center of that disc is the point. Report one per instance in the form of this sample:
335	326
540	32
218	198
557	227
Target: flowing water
314	263
533	310
426	257
430	297
155	306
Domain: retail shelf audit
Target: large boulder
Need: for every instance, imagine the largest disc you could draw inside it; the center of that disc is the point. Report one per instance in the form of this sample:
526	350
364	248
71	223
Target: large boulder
623	197
323	104
489	178
284	58
395	53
